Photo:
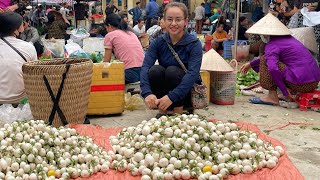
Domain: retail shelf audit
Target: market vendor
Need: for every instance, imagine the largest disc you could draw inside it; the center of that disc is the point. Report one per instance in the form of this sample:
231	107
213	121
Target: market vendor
56	26
125	46
166	85
12	58
31	35
286	64
219	37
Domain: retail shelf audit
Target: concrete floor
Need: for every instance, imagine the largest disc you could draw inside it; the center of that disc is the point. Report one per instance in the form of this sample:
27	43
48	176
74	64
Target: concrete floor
302	141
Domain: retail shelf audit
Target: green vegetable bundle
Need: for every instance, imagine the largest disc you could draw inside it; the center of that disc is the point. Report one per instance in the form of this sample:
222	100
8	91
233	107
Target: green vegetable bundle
250	78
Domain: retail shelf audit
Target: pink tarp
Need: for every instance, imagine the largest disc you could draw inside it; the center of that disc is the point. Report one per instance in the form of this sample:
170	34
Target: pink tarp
283	171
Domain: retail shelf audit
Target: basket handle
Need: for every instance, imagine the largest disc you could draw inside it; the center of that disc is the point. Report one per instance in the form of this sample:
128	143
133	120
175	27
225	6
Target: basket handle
242	43
234	64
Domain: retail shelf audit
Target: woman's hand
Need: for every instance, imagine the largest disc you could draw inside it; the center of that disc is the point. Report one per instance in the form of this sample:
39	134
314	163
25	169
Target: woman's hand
151	101
164	103
245	68
12	8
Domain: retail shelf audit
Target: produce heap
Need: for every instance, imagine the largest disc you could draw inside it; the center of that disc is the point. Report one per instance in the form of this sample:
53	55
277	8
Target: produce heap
32	150
185	146
175	147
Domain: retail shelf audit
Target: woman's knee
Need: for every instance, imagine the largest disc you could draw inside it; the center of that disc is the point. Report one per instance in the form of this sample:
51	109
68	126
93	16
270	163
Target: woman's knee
156	72
174	72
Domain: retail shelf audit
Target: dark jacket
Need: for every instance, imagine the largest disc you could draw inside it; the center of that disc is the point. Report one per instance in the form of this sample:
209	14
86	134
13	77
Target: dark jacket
190	52
80	11
241	33
152	9
111	9
136	13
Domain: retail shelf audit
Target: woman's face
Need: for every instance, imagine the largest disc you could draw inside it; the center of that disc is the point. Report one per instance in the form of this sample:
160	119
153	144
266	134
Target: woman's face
175	21
19	30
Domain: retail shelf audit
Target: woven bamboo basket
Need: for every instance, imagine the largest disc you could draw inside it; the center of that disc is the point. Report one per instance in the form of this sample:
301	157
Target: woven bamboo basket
74	95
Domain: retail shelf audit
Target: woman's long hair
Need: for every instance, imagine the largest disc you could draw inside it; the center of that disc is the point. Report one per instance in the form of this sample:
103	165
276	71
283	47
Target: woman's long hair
51	17
116	21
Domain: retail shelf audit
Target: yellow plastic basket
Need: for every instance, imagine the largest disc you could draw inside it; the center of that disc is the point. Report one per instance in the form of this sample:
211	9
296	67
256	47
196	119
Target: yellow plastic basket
107	89
205	76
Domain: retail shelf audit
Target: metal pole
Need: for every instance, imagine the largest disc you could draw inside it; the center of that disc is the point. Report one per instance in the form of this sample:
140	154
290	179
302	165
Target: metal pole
237	29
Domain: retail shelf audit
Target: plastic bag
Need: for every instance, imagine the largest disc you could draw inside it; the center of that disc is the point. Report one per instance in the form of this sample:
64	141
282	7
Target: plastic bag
242	52
9	114
55	47
77	36
93	45
133	102
72	47
79	54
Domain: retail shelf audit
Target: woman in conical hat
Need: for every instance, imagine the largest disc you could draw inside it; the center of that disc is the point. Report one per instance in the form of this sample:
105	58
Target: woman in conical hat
286	64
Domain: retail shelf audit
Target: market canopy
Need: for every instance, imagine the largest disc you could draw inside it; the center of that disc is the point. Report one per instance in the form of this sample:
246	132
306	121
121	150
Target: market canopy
52	2
56	2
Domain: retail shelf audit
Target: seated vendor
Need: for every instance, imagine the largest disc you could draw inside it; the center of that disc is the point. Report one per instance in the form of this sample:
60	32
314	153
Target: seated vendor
243	22
125	45
167	86
56	26
140	27
220	20
219	36
11	80
31	35
286	64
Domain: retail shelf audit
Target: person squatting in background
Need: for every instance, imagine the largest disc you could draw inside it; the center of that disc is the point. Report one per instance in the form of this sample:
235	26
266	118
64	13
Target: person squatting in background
125	46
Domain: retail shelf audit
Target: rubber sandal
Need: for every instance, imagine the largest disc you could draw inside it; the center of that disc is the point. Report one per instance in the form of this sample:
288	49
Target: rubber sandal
257	100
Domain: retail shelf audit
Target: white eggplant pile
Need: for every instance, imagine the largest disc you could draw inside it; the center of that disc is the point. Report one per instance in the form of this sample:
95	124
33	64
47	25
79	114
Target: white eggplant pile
185	146
32	150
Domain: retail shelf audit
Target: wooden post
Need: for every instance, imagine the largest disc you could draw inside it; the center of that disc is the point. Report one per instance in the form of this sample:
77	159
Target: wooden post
237	29
104	5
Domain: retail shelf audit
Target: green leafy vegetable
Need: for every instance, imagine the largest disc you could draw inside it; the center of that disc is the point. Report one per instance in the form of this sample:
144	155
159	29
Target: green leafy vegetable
250	78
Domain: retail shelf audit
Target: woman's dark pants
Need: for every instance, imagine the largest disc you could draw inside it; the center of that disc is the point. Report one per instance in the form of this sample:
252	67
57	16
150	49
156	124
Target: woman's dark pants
163	80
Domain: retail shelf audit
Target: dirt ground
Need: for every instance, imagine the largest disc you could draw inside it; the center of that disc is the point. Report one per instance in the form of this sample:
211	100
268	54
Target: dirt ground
302	141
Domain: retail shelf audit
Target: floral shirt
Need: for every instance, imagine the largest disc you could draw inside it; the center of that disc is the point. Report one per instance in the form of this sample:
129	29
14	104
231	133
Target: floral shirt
56	30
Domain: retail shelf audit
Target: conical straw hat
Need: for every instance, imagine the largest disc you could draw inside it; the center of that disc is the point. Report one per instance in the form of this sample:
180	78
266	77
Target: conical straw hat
307	37
269	25
212	61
